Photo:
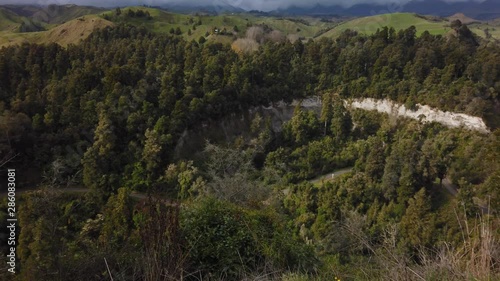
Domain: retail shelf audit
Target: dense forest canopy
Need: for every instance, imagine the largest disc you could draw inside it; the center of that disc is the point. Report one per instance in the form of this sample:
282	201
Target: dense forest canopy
106	115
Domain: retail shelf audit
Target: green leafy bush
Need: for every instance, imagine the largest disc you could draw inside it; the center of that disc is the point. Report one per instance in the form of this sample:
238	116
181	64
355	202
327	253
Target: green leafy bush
228	241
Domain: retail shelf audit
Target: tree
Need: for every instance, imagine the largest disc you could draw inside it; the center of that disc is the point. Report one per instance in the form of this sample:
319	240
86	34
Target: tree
375	160
100	160
151	154
436	157
186	179
392	172
255	33
418	222
226	240
47	221
230	172
326	112
409	179
302	127
16	134
117	224
219	239
466	198
341	121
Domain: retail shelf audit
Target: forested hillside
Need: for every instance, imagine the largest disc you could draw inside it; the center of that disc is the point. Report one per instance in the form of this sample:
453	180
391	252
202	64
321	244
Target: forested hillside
106	115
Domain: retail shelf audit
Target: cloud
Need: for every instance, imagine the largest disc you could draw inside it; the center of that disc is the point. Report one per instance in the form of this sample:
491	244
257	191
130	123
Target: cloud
267	5
263	5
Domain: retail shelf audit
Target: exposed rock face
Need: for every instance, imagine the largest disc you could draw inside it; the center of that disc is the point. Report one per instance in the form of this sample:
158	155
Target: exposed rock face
423	113
281	112
226	130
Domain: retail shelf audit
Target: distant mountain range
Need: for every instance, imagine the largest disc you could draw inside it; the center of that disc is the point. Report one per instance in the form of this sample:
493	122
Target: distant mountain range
487	10
209	9
51	14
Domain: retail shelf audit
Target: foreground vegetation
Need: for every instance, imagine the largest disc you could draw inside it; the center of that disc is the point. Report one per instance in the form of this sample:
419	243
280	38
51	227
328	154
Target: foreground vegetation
107	114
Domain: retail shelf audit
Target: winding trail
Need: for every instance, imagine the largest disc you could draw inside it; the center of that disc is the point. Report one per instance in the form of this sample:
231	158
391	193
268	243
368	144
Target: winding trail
447	184
136	195
330	176
452	189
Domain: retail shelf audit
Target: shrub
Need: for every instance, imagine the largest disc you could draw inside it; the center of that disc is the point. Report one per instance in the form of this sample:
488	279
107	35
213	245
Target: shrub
228	241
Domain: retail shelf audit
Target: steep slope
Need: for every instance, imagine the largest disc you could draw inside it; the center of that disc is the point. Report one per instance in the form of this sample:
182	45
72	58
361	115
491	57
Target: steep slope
21	10
55	14
463	18
423	113
9	21
68	33
74	31
52	14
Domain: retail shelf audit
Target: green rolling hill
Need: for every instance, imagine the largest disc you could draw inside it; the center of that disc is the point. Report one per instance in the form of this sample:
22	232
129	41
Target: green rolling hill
9	21
52	14
195	25
70	32
16	21
434	25
369	25
62	14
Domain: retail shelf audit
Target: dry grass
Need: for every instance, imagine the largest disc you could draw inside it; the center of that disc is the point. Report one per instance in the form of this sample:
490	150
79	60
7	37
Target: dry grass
74	31
68	33
477	258
245	45
463	18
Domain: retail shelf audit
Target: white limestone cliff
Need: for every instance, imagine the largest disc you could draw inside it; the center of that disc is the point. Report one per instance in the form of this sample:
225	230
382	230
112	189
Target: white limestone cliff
423	113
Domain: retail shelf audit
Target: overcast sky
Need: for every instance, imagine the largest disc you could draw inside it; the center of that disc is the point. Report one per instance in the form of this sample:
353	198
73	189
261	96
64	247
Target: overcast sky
263	5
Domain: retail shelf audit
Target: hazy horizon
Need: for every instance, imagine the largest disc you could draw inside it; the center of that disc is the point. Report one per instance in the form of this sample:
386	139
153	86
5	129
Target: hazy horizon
263	5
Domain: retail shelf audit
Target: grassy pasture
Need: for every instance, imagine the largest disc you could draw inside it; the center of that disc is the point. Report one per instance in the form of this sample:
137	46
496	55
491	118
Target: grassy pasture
369	25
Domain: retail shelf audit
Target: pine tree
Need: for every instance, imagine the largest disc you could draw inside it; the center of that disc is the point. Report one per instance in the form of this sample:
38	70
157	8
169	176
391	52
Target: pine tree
99	160
418	222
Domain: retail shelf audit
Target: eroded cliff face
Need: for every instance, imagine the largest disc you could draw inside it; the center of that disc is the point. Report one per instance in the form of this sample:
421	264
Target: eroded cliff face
236	125
227	129
423	113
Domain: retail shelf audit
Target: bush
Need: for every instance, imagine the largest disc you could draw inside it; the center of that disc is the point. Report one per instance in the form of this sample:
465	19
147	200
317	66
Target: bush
229	241
219	240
